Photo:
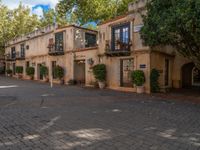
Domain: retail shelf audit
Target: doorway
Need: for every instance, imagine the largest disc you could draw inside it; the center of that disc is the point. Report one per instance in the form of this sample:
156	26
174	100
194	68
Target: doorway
126	67
40	76
195	77
53	66
14	69
79	71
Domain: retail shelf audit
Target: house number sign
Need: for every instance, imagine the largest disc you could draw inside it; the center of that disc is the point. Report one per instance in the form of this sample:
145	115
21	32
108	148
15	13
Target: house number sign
142	66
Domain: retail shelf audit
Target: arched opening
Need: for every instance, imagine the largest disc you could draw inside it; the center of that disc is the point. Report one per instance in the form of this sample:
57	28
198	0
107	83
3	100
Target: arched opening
190	76
195	77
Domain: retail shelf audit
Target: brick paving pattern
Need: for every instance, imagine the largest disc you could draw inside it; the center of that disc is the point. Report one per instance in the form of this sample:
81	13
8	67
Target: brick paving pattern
35	117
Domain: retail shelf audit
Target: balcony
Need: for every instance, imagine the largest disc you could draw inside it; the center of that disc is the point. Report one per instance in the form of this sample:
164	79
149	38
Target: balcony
9	57
20	56
55	50
122	49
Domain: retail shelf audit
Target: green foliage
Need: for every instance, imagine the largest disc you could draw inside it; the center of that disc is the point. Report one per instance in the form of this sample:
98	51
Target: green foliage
175	23
30	71
51	16
99	72
138	77
44	71
19	69
15	23
9	71
84	11
59	72
154	80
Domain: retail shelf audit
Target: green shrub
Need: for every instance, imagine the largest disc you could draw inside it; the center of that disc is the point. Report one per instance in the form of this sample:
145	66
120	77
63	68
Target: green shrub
30	71
44	71
19	69
99	72
154	80
59	72
2	70
138	77
9	71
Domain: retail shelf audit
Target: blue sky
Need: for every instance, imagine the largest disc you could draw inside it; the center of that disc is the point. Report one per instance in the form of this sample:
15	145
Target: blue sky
37	6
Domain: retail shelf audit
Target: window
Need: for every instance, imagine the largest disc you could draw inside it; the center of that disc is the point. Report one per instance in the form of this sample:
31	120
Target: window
22	50
90	40
13	52
121	37
59	41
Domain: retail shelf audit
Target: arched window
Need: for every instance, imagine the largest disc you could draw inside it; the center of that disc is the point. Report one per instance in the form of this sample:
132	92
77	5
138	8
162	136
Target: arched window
195	77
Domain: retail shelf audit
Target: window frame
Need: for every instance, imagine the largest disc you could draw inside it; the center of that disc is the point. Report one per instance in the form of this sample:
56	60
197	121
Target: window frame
91	43
120	27
59	41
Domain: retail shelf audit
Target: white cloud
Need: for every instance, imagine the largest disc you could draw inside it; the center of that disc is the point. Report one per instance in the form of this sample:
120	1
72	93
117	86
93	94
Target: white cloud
38	11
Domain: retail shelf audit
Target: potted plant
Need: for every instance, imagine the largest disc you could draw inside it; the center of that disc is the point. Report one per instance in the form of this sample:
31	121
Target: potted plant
138	78
99	72
44	72
30	71
59	73
9	72
19	71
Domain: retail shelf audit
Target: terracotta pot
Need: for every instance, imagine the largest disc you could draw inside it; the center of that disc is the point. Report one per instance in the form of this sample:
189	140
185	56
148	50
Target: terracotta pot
140	89
19	76
46	79
102	85
30	77
62	81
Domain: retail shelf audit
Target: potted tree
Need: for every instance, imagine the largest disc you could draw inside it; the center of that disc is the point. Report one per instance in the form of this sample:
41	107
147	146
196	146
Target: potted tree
99	72
9	72
19	71
44	72
138	79
30	71
59	73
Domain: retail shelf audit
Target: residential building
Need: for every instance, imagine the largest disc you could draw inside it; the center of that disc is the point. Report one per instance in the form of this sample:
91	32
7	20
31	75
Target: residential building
122	50
70	47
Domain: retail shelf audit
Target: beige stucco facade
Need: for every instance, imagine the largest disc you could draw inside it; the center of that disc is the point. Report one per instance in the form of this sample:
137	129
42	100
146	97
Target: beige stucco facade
120	58
37	51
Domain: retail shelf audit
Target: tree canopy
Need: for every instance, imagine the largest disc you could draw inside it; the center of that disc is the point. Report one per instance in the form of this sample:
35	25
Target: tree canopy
175	23
84	11
20	21
15	23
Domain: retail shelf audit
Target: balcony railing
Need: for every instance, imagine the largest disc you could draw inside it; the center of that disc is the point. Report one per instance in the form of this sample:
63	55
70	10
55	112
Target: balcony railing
20	56
9	57
55	50
123	49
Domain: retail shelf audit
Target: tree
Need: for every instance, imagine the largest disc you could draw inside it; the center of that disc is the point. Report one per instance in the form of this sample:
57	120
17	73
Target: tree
15	23
23	22
5	27
92	10
51	16
175	23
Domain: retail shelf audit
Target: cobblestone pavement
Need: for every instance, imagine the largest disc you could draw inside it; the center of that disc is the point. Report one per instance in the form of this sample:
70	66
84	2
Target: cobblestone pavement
35	117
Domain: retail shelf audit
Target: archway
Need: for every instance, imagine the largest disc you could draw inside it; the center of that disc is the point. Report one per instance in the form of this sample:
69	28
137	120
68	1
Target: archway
195	77
187	75
190	76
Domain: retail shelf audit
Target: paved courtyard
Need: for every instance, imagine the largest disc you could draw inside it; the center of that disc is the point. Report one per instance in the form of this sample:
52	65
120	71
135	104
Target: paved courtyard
34	116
